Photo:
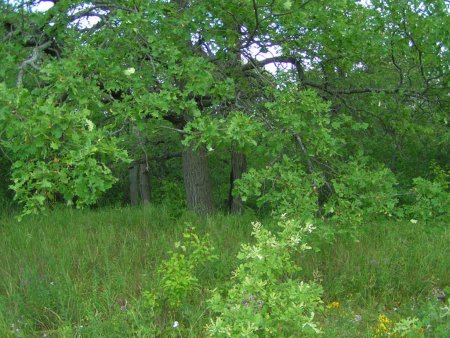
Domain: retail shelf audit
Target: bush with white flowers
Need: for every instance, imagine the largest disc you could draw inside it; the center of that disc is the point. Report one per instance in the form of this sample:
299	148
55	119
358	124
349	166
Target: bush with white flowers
266	297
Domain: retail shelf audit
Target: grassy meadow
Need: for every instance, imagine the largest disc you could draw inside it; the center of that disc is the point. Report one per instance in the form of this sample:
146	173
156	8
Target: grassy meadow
86	274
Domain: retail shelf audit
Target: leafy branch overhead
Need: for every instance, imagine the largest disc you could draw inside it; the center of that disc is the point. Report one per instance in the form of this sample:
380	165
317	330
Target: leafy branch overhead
314	81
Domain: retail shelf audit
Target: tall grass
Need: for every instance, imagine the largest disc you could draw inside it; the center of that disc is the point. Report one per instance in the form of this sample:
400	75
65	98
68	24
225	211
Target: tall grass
389	262
83	273
63	268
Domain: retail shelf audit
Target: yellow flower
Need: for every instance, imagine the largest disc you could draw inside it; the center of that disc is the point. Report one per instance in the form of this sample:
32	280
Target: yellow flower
383	326
334	305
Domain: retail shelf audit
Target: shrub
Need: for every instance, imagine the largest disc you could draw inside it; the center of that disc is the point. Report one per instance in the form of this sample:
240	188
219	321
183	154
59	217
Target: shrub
363	191
178	273
431	200
265	298
284	187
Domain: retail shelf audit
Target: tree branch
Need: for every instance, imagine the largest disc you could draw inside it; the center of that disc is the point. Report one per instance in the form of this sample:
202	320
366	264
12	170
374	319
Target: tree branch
35	55
261	63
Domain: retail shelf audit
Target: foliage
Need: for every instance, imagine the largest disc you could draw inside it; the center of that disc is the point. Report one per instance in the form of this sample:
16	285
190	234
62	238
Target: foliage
304	115
236	129
264	296
433	316
432	200
178	277
268	78
284	187
94	273
56	152
362	191
172	195
407	327
440	175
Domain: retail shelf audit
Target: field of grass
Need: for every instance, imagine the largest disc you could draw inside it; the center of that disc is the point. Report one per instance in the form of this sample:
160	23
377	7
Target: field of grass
85	274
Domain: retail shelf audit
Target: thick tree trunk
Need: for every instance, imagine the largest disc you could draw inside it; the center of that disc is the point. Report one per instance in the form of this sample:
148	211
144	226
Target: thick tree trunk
139	184
196	181
144	185
134	184
238	167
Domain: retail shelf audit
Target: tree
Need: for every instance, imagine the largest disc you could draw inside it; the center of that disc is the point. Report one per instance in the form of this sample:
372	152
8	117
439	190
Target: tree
315	81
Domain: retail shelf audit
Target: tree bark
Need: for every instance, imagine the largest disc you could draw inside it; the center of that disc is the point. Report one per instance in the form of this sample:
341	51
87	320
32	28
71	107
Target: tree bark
134	187
144	184
196	181
139	184
238	167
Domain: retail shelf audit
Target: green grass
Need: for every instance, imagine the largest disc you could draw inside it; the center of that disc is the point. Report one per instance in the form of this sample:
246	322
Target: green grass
74	273
391	269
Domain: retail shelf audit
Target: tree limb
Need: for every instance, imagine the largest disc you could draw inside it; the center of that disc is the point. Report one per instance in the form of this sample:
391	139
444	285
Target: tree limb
35	55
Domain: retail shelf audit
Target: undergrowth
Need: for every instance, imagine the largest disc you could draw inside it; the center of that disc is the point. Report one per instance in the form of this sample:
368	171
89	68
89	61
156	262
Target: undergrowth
98	274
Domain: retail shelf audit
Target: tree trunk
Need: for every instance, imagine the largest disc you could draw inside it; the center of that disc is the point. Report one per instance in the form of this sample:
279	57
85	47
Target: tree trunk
144	185
134	186
196	181
139	184
238	167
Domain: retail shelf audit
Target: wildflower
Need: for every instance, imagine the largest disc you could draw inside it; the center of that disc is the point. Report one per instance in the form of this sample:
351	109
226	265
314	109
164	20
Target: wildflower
383	320
413	221
439	294
317	275
175	324
287	5
383	326
334	305
260	304
309	227
358	318
129	71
